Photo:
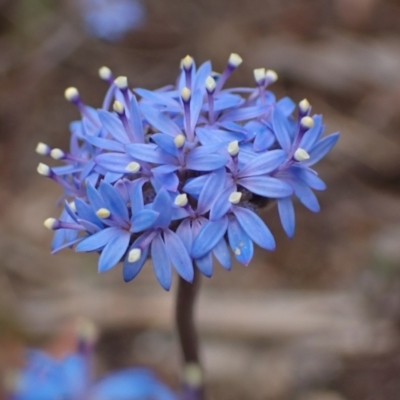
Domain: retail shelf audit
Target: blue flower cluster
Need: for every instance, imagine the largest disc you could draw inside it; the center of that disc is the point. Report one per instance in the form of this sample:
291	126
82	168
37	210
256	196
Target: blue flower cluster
179	174
47	378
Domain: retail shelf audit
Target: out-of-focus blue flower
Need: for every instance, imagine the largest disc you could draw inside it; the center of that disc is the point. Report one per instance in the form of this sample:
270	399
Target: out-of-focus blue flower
111	19
178	174
47	378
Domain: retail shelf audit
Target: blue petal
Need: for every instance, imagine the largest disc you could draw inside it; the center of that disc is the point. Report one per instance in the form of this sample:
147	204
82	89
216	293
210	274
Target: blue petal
286	105
89	226
143	219
136	121
114	126
166	143
69	211
150	153
205	265
200	159
160	121
161	263
286	215
264	163
321	149
131	270
310	178
194	186
105	144
195	107
211	189
264	139
208	237
245	113
158	98
136	195
114	250
74	369
306	196
98	240
86	212
312	134
255	227
266	186
163	205
282	129
222	204
184	231
201	75
221	252
113	162
178	255
95	198
240	242
113	201
111	177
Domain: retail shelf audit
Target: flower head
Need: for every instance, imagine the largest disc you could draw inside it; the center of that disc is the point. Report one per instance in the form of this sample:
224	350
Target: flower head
177	174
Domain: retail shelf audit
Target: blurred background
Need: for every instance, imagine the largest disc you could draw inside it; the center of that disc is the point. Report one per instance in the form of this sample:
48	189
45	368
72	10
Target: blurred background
319	318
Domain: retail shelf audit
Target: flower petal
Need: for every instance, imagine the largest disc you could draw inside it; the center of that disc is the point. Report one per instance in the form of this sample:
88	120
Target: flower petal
143	219
113	162
255	227
113	126
149	152
240	242
221	253
98	240
131	270
163	205
321	149
211	189
266	186
113	201
136	121
264	163
286	215
160	121
161	263
282	129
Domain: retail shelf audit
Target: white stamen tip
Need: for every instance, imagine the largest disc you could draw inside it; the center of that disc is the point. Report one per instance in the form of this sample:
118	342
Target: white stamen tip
235	60
50	223
185	94
307	122
72	206
210	84
193	375
233	148
181	200
235	197
105	73
134	255
259	75
304	105
301	155
179	141
57	154
43	169
103	213
121	82
71	94
133	167
118	107
271	76
42	149
187	62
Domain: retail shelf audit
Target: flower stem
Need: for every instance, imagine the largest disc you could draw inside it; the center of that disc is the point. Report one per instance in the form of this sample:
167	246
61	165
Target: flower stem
188	339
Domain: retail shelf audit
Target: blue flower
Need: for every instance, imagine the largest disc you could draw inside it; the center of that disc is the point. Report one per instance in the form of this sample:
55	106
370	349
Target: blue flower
177	175
111	19
47	378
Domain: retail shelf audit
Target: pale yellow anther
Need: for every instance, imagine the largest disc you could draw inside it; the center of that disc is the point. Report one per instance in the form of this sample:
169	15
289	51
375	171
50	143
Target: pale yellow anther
271	76
235	197
57	154
72	206
181	200
133	167
185	94
187	62
304	105
105	73
134	255
121	82
50	223
43	169
235	60
307	122
193	375
118	107
301	155
210	84
87	330
233	148
42	149
103	213
179	141
259	75
71	94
